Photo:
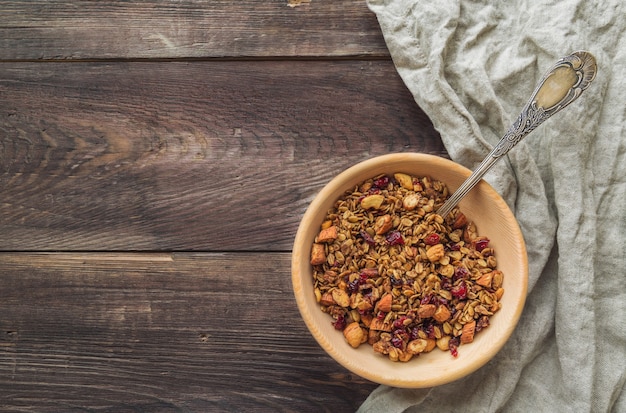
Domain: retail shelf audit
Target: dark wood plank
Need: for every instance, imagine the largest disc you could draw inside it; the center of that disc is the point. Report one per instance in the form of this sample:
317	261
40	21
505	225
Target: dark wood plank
208	156
56	29
161	332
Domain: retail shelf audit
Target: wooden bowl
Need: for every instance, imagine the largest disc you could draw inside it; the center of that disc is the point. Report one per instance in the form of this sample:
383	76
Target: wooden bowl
493	219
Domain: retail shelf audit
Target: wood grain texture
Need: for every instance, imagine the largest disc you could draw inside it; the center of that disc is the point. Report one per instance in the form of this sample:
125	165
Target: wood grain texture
161	332
148	29
213	156
155	160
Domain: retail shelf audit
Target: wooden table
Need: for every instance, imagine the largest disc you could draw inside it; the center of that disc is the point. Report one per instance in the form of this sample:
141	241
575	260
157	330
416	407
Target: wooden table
155	160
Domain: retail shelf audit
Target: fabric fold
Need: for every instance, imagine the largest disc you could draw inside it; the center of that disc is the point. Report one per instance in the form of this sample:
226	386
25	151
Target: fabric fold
470	66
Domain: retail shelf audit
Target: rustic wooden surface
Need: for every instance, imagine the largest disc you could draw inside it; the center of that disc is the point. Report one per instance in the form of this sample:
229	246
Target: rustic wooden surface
155	160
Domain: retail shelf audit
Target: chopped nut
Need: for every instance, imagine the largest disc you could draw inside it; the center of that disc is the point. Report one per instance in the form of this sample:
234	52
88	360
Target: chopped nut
354	334
327	234
410	202
380	325
430	346
381	347
467	334
394	354
327	299
366	319
426	310
442	314
366	186
373	335
318	254
341	297
372	201
417	346
443	343
370	272
383	224
497	279
404	356
459	221
499	293
384	304
354	315
406	181
470	233
485	280
364	305
435	253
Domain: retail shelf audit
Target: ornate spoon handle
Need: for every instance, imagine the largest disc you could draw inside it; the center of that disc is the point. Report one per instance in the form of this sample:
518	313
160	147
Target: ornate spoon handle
559	87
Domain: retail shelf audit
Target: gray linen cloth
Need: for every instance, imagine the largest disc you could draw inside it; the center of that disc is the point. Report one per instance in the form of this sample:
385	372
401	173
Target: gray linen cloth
471	65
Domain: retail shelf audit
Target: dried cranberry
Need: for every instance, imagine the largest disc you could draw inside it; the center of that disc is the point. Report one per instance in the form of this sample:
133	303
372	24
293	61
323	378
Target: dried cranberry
353	286
402	334
429	330
397	342
481	244
459	291
381	315
414	334
381	182
453	345
454	246
396	282
445	283
432	239
483	322
394	238
399	323
427	299
340	323
367	238
460	273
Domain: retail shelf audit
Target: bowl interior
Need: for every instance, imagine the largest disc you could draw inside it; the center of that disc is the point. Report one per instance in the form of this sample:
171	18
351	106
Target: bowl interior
493	219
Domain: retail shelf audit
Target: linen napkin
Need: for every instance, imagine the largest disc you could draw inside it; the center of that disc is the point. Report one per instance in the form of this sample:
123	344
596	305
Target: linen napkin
471	65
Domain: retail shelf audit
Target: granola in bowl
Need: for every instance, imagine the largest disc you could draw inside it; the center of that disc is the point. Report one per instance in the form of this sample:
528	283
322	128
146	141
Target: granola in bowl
392	273
482	206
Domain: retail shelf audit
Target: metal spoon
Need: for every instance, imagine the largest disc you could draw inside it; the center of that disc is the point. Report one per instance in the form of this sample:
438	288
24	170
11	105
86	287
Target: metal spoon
559	87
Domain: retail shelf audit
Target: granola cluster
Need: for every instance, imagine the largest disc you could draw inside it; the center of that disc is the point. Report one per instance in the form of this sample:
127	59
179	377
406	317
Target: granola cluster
394	274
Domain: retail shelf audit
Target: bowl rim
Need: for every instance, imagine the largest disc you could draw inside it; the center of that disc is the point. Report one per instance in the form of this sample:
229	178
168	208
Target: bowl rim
301	250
